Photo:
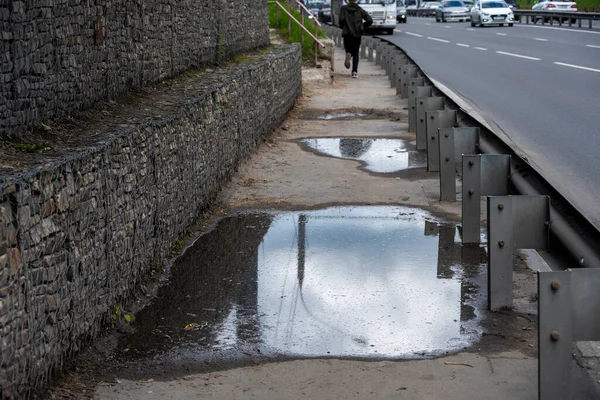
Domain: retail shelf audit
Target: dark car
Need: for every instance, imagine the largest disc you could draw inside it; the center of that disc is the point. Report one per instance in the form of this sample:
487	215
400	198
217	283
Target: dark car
325	13
313	7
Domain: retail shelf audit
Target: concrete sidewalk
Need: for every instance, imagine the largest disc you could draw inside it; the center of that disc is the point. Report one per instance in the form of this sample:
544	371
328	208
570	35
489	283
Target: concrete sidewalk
285	176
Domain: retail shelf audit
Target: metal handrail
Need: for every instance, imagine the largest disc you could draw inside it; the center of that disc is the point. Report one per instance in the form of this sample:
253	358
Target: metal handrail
297	22
306	9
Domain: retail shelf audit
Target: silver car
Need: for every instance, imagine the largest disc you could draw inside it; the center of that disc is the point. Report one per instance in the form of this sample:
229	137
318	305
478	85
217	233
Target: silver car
491	12
452	10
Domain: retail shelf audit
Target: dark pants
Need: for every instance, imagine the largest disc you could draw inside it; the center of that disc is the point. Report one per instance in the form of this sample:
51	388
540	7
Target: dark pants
352	46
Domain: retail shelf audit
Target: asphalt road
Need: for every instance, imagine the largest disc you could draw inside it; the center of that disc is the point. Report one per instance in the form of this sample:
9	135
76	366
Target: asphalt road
539	85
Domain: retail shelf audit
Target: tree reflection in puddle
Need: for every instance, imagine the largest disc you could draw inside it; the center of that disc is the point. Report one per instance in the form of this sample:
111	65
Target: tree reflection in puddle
386	282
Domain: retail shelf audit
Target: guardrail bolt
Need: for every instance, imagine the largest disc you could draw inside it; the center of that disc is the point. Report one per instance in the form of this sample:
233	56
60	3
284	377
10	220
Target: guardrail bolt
471	163
501	243
446	135
500	206
471	192
432	117
447	159
555	335
555	285
433	138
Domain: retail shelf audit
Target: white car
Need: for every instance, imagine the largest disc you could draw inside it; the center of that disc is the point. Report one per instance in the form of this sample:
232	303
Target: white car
430	5
550	5
491	12
452	10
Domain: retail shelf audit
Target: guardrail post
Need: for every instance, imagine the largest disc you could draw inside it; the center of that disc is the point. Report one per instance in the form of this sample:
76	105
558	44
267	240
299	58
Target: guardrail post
413	94
384	55
514	222
567	312
400	61
435	121
482	175
415	82
424	104
392	68
454	142
389	50
408	71
363	48
371	56
378	51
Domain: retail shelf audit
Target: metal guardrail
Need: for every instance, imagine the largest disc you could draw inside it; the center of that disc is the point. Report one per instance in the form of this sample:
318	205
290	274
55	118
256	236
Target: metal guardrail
548	17
420	12
527	220
569	18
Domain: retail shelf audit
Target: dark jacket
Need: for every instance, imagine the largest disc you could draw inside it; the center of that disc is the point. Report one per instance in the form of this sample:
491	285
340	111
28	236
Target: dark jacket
351	20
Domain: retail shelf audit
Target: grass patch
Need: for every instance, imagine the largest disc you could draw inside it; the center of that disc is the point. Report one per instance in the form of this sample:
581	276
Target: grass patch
281	24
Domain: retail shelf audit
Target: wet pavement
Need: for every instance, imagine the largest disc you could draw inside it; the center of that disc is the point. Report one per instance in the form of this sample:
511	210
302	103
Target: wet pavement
348	302
377	155
328	117
383	282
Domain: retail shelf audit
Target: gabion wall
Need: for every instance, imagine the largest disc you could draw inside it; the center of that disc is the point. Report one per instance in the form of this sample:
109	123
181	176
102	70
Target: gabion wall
59	56
77	236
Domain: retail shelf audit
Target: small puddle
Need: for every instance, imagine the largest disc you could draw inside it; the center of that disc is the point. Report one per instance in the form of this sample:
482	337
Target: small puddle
329	117
382	156
353	113
377	282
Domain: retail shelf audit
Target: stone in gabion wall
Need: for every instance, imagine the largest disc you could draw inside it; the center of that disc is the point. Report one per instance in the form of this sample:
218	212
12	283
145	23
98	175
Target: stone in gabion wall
76	236
59	56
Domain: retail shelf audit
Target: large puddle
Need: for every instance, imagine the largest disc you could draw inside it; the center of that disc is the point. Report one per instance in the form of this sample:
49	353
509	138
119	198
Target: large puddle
377	155
385	282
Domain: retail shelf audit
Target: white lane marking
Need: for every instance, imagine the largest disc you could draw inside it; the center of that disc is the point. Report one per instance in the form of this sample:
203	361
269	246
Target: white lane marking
438	40
413	34
577	66
560	29
518	55
480	48
397	30
500	34
462	45
446	26
592	46
471	29
540	39
428	24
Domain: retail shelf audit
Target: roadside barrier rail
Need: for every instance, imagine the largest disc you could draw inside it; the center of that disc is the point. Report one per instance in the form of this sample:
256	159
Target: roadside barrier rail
523	211
549	17
421	12
569	18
